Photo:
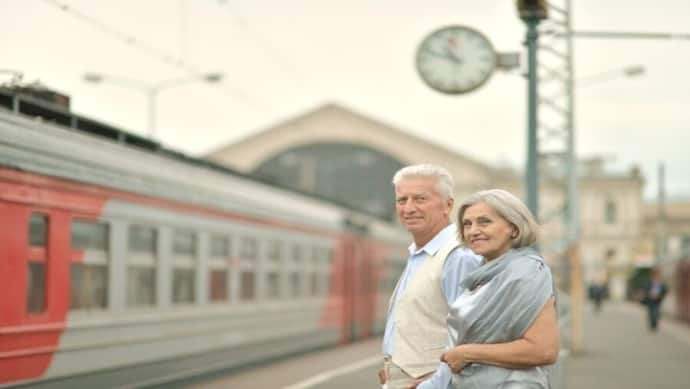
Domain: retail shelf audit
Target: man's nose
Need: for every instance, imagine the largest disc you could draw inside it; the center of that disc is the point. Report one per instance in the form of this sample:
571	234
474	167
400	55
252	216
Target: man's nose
408	206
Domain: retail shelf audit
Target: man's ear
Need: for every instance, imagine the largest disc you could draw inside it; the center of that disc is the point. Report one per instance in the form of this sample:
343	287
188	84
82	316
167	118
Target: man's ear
450	203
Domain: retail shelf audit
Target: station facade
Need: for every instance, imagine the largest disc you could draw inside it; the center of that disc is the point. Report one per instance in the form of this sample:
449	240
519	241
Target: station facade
340	154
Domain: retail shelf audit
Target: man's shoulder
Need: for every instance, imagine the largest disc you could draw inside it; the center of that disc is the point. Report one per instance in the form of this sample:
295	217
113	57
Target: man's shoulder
462	253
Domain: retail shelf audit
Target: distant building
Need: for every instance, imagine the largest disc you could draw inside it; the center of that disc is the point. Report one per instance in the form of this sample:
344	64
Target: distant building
341	154
665	232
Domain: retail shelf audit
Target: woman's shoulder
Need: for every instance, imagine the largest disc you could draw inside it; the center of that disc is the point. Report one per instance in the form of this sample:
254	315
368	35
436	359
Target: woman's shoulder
529	265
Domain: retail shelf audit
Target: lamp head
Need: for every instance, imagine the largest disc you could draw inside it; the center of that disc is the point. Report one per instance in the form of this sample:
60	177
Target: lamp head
213	77
93	77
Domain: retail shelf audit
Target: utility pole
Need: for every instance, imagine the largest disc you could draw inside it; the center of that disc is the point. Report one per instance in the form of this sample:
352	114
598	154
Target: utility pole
661	217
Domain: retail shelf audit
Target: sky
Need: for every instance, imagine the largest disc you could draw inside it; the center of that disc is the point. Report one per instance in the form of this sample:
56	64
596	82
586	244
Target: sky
281	59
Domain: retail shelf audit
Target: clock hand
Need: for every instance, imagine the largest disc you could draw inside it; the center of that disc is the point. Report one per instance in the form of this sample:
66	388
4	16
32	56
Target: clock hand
454	56
447	56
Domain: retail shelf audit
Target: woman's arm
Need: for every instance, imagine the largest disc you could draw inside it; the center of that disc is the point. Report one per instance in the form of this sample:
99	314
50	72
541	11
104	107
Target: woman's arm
538	347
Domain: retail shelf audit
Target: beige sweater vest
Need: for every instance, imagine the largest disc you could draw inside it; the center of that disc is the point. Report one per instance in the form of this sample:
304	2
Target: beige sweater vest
421	334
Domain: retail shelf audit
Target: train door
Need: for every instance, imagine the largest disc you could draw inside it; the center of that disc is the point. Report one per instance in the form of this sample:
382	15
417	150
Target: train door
34	252
359	289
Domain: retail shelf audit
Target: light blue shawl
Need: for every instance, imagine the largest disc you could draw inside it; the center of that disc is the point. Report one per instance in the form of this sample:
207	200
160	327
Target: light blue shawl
502	299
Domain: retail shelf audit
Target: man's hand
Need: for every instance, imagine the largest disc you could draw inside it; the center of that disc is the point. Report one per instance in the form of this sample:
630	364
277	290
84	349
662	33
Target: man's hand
382	376
419	381
455	359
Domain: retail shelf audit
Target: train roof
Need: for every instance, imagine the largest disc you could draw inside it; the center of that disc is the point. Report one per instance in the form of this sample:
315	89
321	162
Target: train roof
18	102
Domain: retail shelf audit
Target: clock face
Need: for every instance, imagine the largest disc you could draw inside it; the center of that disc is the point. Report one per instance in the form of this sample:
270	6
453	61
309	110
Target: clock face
455	59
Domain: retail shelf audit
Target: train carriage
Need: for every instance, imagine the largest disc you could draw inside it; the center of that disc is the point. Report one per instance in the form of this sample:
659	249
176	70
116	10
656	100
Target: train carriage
123	263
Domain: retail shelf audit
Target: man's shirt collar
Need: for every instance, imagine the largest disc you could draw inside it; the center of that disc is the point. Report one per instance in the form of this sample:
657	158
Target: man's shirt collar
436	242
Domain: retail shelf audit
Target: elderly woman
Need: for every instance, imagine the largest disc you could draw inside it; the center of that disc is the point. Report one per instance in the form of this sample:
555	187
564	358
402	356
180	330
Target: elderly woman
504	325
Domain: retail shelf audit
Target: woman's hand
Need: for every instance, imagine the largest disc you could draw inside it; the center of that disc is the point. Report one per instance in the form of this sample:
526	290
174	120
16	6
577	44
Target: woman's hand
455	359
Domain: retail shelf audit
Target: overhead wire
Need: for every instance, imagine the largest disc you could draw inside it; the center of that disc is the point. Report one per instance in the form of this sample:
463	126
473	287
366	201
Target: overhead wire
264	44
156	53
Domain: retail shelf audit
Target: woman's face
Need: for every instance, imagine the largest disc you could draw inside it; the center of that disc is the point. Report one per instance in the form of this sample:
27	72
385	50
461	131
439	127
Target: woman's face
486	232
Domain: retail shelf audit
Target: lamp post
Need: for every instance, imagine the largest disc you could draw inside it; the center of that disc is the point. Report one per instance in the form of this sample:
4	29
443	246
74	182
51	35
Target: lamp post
151	90
532	12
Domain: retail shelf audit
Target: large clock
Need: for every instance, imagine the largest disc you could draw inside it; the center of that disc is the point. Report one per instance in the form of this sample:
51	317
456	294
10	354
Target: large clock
455	59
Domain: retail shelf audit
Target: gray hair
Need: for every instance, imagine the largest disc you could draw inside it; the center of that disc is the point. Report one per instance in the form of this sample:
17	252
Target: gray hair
509	207
444	181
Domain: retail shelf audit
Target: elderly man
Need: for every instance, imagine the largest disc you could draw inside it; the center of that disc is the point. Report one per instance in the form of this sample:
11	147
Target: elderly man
416	333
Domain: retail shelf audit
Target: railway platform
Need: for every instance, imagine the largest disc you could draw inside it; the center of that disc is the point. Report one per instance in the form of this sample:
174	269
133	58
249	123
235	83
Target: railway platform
619	353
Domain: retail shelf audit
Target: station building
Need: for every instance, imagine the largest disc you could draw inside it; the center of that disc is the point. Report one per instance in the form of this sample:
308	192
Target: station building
341	154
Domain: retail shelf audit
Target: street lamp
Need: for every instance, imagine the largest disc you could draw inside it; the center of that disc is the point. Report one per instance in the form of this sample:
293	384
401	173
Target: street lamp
151	90
628	71
532	12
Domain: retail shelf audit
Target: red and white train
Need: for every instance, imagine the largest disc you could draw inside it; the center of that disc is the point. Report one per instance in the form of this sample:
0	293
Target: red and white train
125	264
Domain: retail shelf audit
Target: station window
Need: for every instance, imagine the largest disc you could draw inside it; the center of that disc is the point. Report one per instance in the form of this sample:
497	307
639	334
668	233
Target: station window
141	266
218	268
184	267
36	270
610	212
89	267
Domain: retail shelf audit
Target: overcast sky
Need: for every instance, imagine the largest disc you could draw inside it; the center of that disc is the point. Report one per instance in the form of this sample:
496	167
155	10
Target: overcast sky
282	58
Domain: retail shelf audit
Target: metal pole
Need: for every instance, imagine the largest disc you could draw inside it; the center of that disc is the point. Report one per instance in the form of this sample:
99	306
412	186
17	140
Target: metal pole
661	217
531	177
572	216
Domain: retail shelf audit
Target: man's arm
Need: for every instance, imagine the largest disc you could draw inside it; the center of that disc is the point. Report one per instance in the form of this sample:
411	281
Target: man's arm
439	380
458	265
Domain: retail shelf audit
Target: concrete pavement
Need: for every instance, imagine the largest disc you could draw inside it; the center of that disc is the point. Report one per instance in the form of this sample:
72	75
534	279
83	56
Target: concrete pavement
621	353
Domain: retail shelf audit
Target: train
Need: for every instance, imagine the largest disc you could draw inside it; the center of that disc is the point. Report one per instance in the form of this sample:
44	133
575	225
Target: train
126	264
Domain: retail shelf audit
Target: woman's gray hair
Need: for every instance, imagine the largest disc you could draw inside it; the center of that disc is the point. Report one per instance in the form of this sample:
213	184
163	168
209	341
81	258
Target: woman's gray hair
444	181
509	207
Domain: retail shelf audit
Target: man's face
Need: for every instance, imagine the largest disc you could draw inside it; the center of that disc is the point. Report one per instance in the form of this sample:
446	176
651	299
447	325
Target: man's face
420	207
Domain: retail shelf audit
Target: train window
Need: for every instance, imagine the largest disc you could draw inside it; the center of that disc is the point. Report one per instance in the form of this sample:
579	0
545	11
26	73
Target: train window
297	255
314	283
273	248
183	286
184	267
38	226
142	239
36	269
249	250
141	286
247	291
89	235
295	275
295	284
218	286
184	243
141	266
218	271
220	246
273	285
89	267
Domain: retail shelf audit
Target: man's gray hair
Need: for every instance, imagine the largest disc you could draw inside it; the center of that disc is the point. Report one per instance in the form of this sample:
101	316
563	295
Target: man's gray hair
444	181
509	207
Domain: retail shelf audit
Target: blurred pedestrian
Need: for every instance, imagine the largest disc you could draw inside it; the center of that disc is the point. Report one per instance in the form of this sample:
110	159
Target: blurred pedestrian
652	296
416	332
504	326
598	292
